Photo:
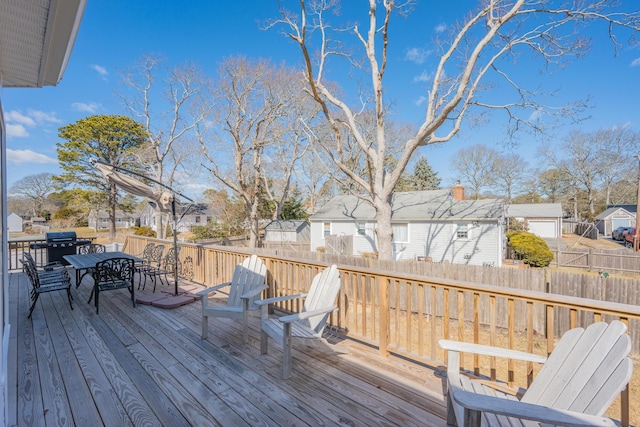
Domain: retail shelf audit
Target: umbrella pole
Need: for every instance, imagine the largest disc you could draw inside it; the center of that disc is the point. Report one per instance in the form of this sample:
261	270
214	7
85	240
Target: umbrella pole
175	245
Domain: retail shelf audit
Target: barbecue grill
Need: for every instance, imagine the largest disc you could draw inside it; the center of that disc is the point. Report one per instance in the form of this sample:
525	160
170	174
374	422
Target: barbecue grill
58	244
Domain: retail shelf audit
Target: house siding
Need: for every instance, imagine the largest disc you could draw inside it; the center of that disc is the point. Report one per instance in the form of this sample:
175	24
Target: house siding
432	239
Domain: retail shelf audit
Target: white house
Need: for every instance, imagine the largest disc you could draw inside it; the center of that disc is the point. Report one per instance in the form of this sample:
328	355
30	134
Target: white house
99	219
287	231
196	214
541	219
438	225
14	223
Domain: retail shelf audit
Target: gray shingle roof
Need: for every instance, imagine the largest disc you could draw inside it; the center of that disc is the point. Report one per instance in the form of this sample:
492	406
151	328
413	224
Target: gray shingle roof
286	225
413	205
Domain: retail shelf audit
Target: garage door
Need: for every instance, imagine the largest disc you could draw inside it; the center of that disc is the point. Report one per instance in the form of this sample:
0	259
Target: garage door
543	228
616	222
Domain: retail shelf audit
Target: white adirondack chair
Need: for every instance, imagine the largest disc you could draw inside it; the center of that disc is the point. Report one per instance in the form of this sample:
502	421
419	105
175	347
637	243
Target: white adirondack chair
245	288
576	385
309	323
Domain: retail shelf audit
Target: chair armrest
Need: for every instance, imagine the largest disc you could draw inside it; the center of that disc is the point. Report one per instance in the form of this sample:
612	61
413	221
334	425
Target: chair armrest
254	292
278	299
212	289
485	350
514	408
306	314
53	266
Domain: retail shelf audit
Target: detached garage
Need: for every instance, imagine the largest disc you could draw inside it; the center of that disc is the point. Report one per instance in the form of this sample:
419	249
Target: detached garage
542	219
615	217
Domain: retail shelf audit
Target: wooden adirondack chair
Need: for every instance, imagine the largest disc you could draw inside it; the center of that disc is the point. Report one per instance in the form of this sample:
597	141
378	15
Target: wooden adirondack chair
309	323
577	383
245	288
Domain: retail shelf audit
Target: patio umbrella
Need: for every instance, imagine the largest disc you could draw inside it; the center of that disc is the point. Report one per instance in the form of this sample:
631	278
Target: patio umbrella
165	199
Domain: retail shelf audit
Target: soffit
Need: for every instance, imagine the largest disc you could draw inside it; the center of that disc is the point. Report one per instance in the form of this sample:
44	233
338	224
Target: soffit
36	37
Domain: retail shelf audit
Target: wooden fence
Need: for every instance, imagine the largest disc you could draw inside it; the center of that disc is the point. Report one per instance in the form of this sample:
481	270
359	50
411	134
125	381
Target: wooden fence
620	261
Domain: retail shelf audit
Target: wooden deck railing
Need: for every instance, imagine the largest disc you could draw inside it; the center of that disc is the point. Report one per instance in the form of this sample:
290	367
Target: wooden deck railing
407	314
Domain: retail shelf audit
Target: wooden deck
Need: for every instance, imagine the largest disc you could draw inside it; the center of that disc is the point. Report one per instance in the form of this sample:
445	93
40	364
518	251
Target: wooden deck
149	366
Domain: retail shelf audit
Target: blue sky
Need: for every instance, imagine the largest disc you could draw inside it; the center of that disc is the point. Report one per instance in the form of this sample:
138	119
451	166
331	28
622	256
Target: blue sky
115	33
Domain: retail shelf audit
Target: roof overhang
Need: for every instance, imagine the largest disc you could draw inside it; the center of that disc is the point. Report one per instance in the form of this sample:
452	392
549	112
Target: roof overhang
36	38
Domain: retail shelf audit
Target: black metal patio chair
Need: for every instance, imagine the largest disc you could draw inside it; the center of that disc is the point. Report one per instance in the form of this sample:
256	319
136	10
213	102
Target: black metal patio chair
54	280
112	274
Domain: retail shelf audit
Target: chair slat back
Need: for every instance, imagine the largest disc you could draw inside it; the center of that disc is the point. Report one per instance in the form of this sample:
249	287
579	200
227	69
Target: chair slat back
155	255
586	370
32	274
92	248
322	294
246	277
114	270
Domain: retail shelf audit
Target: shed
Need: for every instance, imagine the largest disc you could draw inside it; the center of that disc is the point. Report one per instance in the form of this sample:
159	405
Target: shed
14	223
287	231
541	219
614	217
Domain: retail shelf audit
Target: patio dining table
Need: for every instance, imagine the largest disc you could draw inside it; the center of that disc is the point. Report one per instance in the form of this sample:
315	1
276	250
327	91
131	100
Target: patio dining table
82	262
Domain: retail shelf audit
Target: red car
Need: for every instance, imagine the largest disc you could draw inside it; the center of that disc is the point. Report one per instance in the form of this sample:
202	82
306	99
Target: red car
628	237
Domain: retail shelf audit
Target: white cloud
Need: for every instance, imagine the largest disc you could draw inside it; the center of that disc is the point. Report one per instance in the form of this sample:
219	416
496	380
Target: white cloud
535	116
16	130
18	123
423	77
28	156
635	62
420	101
417	55
18	117
42	117
440	28
100	70
90	108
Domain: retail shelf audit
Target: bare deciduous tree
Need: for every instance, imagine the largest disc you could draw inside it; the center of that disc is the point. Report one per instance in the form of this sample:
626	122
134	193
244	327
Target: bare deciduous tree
477	166
510	172
36	188
477	52
254	102
170	110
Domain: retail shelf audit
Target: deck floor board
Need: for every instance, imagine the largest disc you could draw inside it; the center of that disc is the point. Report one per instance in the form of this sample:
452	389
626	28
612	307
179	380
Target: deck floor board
149	366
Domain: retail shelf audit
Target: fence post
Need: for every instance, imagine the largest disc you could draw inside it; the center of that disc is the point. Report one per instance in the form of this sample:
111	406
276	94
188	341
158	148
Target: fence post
383	285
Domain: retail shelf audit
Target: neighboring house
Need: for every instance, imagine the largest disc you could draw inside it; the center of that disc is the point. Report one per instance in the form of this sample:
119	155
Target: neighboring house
99	219
541	219
615	217
438	225
14	223
287	231
196	214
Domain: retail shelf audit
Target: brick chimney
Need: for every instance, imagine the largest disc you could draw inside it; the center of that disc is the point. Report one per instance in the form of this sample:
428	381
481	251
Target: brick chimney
458	191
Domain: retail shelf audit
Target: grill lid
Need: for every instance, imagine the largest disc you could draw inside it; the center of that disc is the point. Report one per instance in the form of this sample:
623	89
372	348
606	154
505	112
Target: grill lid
61	236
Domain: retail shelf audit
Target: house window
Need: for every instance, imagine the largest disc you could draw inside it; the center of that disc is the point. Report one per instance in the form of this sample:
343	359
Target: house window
208	219
326	229
400	233
197	220
462	232
360	228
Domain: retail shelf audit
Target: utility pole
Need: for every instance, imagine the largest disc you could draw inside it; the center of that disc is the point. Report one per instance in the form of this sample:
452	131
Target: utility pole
636	235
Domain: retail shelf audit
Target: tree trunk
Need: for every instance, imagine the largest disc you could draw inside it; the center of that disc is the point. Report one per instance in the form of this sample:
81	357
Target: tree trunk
384	231
253	224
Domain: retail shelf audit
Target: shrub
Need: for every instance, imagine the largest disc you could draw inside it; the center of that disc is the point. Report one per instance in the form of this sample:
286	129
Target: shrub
531	248
145	231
